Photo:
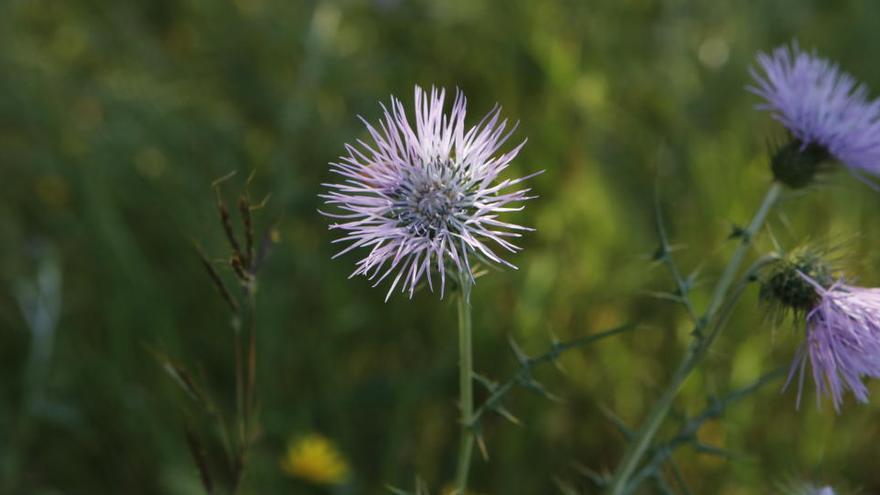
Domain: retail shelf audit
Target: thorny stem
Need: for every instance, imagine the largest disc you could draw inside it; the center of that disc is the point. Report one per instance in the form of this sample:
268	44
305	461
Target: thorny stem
720	322
679	478
499	391
688	431
664	255
695	353
465	382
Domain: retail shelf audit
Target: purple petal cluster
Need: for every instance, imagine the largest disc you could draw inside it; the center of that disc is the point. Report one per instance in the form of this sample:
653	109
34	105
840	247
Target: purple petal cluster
423	198
820	105
842	342
795	487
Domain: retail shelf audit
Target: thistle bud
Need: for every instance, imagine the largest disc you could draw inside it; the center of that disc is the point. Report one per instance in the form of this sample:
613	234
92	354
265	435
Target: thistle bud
796	164
787	287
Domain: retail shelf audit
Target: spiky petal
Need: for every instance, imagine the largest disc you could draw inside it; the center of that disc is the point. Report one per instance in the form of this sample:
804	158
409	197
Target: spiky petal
820	105
842	342
426	198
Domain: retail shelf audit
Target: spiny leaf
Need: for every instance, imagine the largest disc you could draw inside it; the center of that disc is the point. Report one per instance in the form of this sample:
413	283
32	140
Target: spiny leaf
503	412
618	423
397	491
662	485
665	296
486	382
565	487
596	478
679	478
521	356
420	489
712	450
481	444
537	387
736	232
660	253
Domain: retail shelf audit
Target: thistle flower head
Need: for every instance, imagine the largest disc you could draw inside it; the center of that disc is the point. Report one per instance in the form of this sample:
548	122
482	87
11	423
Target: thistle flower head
804	488
826	111
427	197
842	341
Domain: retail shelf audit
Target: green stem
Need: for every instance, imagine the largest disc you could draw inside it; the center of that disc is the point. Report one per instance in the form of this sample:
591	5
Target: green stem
465	382
695	353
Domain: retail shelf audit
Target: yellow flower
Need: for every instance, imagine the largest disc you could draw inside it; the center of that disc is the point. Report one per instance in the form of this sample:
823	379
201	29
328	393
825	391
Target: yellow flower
315	459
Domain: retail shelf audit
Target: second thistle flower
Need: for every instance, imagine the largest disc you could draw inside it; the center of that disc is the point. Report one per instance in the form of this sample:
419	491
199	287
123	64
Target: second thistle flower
826	111
425	198
842	339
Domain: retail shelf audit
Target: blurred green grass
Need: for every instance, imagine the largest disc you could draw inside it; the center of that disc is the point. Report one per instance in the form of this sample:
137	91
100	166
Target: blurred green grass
115	117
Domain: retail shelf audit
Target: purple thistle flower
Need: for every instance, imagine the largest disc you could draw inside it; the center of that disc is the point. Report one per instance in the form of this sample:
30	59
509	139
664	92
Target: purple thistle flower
796	487
842	342
426	197
821	106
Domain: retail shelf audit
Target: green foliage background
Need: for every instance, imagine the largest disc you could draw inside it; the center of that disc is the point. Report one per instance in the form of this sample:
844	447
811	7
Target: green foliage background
116	116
